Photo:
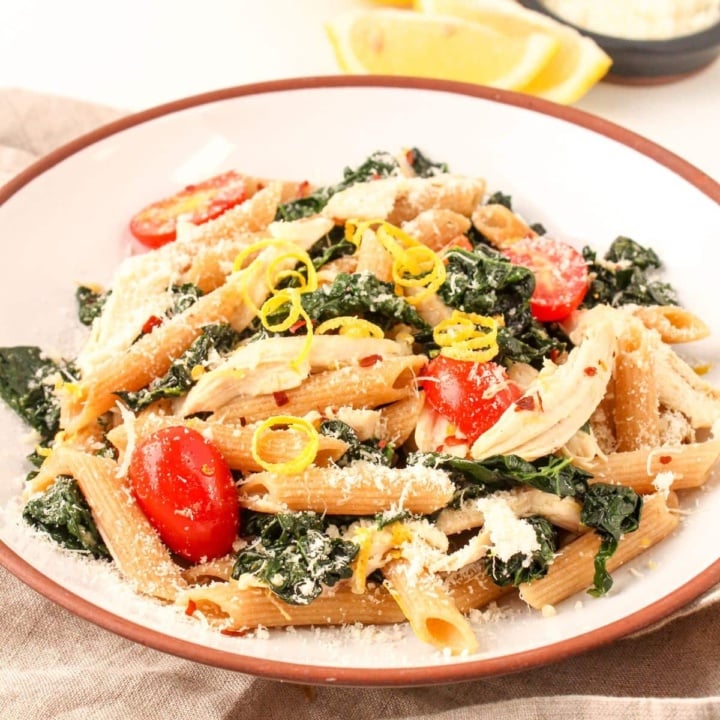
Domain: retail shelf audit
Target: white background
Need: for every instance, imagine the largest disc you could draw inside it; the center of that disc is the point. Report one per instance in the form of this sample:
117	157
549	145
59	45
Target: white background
135	54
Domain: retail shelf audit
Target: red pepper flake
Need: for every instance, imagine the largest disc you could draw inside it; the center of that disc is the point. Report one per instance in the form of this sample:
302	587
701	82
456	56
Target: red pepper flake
554	354
303	189
524	403
382	444
243	422
191	607
665	459
150	324
451	440
590	371
233	633
370	360
375	176
281	398
410	157
297	326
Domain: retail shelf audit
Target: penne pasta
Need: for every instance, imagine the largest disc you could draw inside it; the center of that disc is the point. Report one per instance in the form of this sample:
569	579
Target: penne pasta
573	568
429	608
383	430
133	543
362	489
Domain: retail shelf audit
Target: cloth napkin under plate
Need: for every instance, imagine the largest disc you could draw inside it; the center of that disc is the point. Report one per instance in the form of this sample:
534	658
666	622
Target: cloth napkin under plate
55	665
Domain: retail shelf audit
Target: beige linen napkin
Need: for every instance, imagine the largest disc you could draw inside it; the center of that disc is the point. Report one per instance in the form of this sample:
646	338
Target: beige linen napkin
55	665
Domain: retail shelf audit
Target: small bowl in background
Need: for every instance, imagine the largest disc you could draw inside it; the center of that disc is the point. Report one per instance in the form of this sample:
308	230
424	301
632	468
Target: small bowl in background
649	62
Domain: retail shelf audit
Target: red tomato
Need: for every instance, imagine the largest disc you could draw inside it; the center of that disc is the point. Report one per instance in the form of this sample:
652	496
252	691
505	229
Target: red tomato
185	488
155	225
470	395
561	275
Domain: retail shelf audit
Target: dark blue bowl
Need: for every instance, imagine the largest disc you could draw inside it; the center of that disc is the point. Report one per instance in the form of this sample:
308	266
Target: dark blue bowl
649	61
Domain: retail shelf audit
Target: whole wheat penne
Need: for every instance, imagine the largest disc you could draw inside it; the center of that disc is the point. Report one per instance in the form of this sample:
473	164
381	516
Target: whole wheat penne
429	607
690	466
437	227
373	257
370	386
471	587
636	408
573	569
234	441
231	607
362	488
674	323
133	543
499	225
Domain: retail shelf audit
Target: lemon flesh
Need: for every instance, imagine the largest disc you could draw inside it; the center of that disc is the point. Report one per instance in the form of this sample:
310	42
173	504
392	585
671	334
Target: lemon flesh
398	42
577	65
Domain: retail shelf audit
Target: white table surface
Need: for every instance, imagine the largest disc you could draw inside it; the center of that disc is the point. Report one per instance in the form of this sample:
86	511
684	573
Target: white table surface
138	53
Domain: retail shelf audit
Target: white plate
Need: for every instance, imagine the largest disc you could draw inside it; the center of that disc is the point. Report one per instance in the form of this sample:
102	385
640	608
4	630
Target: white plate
65	220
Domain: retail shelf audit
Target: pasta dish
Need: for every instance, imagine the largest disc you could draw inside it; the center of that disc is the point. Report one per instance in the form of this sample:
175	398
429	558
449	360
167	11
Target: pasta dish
393	399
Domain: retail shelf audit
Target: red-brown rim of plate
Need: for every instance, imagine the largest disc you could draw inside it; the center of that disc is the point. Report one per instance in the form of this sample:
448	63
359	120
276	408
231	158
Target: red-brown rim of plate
366	676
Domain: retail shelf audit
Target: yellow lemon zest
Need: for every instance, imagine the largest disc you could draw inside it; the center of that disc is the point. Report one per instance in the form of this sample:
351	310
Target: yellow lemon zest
307	284
197	372
351	326
467	336
364	539
302	460
281	298
414	265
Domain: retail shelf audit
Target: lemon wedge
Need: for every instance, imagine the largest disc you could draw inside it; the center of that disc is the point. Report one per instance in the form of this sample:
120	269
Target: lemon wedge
387	41
577	65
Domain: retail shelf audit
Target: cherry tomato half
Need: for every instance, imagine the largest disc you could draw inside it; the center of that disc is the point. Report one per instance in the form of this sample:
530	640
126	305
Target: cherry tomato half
185	488
561	275
155	225
470	395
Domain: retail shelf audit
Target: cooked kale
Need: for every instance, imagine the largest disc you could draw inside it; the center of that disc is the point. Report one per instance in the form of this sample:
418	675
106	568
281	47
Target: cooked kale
612	511
378	165
422	165
486	283
178	379
63	513
476	478
184	296
363	295
624	276
373	450
521	568
27	382
331	247
500	198
294	555
90	303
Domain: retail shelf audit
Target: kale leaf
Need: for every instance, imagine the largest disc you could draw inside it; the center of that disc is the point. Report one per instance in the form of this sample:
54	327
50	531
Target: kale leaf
624	276
476	478
294	555
178	379
422	165
63	513
27	382
378	165
90	303
373	450
363	295
612	511
486	283
331	247
521	568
